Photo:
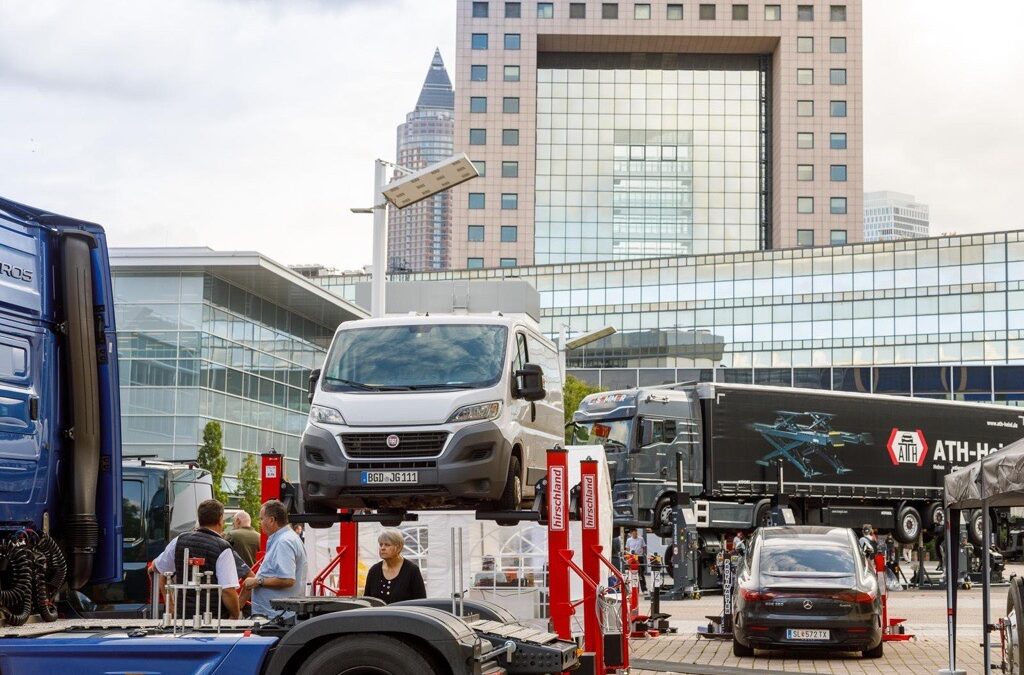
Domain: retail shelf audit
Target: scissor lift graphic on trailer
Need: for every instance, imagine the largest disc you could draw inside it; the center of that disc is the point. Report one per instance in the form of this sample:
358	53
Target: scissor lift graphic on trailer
803	437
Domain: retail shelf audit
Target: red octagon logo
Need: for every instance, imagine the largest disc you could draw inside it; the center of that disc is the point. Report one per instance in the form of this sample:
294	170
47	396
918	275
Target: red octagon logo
907	447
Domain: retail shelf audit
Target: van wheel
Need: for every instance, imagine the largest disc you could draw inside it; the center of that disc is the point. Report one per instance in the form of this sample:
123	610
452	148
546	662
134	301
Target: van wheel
512	498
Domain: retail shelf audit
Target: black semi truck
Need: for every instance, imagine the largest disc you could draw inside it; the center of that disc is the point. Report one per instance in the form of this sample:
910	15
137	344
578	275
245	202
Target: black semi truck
841	458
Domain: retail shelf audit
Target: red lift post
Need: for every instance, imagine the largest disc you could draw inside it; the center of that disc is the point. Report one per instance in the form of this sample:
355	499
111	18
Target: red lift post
271	475
561	610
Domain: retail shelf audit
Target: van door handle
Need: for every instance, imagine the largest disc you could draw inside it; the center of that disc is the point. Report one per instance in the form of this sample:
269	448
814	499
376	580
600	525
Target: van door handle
533	411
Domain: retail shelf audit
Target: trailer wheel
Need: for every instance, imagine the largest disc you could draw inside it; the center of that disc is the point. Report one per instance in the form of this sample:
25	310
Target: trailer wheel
366	655
1014	638
934	515
908	525
976	528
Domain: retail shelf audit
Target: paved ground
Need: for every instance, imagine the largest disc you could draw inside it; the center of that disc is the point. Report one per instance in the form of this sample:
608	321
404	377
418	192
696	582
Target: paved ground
925	612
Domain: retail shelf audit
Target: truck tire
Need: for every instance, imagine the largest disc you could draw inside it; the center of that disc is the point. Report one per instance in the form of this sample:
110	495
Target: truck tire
762	514
975	528
934	515
908	525
1015	604
662	519
512	497
359	654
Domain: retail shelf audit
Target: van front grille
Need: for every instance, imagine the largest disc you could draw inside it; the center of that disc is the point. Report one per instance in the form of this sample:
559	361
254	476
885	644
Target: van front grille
410	444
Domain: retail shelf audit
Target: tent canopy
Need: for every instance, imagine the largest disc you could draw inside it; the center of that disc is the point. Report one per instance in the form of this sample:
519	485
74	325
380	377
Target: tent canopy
996	480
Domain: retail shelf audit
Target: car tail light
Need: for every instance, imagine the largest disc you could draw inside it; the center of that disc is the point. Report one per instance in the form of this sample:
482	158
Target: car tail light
758	629
858	597
755	596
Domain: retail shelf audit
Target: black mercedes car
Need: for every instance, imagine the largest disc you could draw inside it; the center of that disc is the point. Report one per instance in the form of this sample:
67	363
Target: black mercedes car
806	587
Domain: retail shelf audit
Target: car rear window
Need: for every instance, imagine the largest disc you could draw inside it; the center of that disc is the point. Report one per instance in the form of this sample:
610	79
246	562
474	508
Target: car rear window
776	559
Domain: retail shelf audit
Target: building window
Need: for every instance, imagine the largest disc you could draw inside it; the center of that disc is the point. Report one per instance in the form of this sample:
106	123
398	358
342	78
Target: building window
837	45
805	45
805	204
509	201
805	75
837	13
837	76
837	141
838	237
477	104
805	237
477	200
510	136
510	104
478	73
478	136
837	108
642	10
609	10
804	140
479	40
545	10
837	205
675	12
511	73
512	40
837	173
707	12
507	262
513	10
476	233
480	10
475	263
740	12
805	172
805	108
805	12
577	10
481	167
509	233
510	169
773	12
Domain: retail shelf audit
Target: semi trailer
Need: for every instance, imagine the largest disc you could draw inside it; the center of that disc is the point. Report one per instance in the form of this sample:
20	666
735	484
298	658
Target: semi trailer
63	524
837	458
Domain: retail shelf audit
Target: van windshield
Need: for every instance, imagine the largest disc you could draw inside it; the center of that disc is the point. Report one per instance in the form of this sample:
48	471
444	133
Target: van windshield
419	356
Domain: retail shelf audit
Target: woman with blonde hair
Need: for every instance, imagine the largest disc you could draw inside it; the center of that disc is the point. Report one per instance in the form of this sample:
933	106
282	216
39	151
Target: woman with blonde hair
394	578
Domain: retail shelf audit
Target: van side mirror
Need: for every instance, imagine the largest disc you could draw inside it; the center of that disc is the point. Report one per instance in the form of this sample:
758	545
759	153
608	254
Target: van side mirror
314	377
646	432
529	382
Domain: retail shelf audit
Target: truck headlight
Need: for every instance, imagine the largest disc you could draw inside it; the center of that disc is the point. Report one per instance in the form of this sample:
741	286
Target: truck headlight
476	412
319	414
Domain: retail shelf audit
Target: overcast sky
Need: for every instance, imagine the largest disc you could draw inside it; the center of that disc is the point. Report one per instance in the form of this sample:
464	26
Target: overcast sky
253	124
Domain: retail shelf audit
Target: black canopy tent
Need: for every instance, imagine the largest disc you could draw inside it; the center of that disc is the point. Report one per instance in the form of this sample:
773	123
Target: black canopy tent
994	481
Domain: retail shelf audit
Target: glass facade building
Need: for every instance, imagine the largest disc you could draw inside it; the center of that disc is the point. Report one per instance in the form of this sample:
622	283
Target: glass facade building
207	336
641	163
934	316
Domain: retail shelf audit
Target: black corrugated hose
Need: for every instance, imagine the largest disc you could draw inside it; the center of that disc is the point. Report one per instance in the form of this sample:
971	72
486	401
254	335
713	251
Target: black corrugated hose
32	571
52	571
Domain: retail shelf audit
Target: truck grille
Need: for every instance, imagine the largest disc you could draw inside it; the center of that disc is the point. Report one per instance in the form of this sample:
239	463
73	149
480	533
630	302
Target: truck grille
411	444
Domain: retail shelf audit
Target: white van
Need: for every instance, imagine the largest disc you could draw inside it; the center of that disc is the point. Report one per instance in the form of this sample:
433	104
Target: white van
415	412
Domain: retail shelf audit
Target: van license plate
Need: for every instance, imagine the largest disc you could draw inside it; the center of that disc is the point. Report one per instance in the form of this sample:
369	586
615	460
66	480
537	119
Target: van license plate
806	634
389	477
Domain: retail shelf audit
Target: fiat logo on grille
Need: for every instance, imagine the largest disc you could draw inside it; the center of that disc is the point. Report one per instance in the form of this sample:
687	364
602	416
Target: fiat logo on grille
393	440
808	605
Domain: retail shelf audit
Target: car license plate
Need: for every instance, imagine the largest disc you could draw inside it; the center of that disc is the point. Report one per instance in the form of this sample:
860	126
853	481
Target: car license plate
806	634
389	477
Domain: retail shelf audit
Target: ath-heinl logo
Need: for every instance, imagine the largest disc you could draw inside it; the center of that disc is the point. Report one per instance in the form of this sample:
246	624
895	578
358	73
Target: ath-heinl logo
907	447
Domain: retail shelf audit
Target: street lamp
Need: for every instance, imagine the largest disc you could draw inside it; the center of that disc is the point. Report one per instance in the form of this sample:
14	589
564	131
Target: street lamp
407	189
578	341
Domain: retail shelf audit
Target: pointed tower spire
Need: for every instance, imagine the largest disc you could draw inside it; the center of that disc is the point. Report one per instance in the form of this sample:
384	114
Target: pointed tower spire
437	90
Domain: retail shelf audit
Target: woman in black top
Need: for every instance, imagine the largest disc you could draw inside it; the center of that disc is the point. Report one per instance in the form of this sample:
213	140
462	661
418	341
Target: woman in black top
394	578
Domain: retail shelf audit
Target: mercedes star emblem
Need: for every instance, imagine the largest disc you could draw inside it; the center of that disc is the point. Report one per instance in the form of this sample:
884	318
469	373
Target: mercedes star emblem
808	605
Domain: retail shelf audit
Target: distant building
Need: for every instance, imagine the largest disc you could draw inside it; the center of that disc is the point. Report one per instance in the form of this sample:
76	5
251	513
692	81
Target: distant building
419	235
893	215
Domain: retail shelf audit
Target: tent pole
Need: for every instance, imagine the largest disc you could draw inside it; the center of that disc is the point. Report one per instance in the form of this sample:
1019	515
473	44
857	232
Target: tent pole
986	581
951	575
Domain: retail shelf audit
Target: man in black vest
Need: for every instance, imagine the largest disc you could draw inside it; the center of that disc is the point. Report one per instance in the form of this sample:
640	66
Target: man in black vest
205	542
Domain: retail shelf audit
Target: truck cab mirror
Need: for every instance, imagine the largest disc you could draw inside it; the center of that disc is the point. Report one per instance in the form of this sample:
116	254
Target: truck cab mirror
314	377
646	432
529	382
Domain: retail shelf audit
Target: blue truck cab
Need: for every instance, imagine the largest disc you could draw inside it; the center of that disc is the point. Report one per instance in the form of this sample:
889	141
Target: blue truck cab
59	411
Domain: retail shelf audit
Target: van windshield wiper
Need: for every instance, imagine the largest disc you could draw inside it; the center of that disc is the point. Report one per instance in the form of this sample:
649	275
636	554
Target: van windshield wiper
440	385
362	386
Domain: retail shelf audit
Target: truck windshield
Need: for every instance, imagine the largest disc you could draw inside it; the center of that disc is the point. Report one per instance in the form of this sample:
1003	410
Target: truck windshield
613	434
419	356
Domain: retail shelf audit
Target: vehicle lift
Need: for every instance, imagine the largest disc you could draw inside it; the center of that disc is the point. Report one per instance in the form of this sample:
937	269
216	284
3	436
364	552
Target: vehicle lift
800	443
604	652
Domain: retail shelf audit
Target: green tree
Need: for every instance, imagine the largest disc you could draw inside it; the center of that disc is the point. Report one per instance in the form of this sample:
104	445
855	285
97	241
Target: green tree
574	391
211	457
250	488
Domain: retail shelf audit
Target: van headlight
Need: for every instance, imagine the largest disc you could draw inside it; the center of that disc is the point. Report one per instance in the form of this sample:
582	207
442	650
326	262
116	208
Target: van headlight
320	414
476	412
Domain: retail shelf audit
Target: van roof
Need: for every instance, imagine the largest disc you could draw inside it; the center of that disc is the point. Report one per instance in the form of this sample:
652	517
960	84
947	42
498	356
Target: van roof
494	318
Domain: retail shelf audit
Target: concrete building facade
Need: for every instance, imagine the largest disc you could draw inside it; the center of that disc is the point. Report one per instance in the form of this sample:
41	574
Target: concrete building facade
419	235
894	215
624	130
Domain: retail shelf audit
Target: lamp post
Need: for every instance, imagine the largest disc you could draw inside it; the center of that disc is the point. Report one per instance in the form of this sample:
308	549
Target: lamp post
407	189
579	341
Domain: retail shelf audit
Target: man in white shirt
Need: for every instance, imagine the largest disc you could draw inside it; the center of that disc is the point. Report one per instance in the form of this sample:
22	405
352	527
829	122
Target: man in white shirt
282	573
636	544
